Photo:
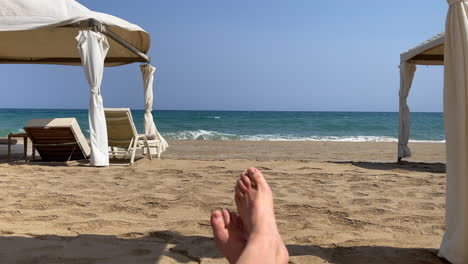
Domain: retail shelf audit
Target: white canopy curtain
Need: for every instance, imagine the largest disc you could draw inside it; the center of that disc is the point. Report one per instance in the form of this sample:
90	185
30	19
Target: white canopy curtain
152	133
93	48
454	245
147	72
407	70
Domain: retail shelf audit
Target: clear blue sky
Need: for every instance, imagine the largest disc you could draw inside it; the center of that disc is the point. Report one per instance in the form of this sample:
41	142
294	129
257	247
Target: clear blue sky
304	55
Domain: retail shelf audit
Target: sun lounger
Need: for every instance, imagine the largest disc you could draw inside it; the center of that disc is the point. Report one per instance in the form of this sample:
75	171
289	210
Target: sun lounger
154	143
58	139
9	142
4	141
122	135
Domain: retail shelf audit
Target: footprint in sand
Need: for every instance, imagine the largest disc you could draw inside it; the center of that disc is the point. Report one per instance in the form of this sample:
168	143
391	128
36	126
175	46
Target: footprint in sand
309	168
361	194
383	200
362	202
436	194
264	168
213	167
170	171
373	211
44	218
426	206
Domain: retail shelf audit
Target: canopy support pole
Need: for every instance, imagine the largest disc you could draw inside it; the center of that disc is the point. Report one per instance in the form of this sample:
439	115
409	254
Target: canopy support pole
124	43
97	26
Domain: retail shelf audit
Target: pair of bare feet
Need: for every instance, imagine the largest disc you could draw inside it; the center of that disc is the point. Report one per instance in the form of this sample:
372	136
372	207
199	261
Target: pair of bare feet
251	236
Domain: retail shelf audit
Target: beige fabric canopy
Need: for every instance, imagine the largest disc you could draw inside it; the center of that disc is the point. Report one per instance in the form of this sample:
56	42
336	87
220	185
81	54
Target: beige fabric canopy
430	52
44	31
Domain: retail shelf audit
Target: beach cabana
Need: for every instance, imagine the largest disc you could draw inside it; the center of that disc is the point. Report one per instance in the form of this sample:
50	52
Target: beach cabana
65	32
451	50
430	52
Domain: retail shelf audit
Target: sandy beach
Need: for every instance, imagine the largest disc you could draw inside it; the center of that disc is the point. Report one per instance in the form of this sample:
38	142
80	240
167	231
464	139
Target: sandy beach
335	202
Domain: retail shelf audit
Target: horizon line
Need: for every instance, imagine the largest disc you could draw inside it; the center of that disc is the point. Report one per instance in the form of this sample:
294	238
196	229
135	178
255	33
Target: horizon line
210	110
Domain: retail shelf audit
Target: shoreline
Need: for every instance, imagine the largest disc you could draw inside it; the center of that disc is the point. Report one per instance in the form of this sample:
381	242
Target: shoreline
302	150
286	150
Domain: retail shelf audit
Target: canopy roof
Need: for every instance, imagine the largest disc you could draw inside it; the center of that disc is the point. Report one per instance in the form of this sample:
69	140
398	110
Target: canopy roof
44	31
430	52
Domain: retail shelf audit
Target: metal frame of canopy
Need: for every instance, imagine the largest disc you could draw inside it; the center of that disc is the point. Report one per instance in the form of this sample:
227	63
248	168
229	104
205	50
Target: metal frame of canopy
99	27
95	26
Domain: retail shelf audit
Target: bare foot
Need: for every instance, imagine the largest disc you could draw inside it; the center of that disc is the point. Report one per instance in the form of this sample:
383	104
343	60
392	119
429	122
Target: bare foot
254	200
228	234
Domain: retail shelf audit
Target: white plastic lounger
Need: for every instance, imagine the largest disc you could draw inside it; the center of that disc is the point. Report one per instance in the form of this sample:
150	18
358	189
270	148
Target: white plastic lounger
58	139
122	134
154	143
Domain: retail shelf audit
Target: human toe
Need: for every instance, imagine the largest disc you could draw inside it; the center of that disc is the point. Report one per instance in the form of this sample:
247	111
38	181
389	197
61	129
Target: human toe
246	180
226	216
256	176
241	186
218	225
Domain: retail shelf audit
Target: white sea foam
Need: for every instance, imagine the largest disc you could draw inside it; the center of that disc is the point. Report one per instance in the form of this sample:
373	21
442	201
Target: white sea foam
5	132
214	135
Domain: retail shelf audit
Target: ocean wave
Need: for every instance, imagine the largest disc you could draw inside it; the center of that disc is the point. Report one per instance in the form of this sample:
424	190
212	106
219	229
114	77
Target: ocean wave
201	135
214	135
5	132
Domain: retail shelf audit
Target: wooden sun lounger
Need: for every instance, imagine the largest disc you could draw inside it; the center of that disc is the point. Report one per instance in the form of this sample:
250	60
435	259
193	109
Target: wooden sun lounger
58	139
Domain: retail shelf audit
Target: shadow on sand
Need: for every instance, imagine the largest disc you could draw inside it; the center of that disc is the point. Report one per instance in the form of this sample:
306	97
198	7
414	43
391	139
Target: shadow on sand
168	246
368	254
403	165
153	247
19	160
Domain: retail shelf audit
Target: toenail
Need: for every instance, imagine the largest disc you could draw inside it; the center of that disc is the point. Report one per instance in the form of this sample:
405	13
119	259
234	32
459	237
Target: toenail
216	215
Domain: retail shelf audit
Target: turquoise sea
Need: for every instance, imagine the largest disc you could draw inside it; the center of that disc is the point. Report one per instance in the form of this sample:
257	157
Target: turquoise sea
265	126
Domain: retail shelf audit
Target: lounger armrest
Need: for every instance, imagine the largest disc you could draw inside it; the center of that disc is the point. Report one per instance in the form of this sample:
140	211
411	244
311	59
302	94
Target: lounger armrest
150	139
142	136
4	141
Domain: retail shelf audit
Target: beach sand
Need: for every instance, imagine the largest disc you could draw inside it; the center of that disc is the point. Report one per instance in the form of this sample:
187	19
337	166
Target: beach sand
335	202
